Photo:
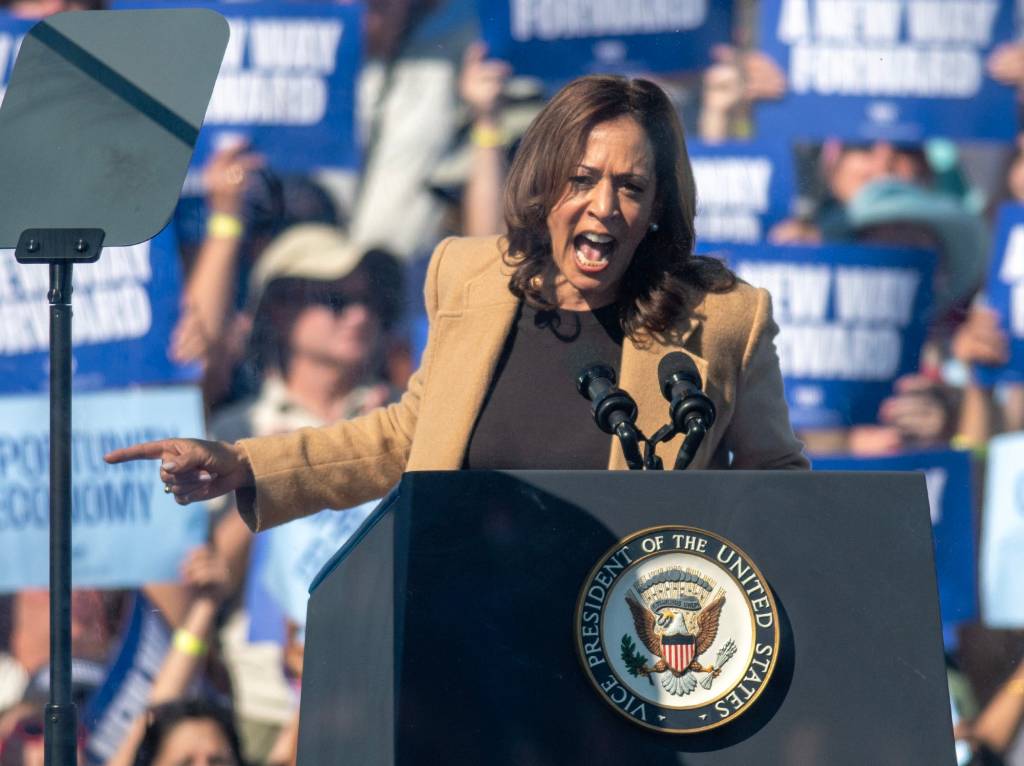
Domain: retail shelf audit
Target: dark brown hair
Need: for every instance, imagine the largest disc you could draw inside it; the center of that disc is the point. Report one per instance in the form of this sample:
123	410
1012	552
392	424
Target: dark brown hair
164	718
664	276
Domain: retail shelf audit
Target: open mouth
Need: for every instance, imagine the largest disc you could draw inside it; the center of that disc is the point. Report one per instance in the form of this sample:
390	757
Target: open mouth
593	251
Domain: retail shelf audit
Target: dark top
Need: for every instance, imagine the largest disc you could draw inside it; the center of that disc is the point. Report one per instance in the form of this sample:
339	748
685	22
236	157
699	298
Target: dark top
533	416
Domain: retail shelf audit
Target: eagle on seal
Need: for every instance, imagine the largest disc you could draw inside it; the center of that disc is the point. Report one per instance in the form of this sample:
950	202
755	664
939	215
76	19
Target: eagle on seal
677	637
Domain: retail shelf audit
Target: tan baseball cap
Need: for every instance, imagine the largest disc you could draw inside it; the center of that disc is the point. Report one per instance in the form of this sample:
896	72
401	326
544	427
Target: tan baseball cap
315	251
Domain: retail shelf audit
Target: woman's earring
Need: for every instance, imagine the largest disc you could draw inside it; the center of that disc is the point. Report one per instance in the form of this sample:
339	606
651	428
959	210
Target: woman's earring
654	227
536	281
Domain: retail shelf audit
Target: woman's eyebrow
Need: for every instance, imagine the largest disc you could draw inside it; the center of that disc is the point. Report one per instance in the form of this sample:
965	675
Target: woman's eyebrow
620	176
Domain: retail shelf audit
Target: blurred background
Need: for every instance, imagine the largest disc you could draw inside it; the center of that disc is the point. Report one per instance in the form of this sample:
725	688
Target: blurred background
861	159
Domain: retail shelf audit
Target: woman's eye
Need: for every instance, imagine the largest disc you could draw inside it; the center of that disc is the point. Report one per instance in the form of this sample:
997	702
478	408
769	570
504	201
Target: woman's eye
579	180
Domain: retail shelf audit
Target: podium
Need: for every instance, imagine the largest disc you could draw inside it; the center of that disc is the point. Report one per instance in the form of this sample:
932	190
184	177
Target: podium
443	632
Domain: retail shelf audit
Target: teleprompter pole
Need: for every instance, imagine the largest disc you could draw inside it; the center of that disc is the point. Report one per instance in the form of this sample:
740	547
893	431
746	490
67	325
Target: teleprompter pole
59	249
61	716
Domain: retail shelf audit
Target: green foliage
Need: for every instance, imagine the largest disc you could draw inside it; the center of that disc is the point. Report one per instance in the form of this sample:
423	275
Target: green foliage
635	662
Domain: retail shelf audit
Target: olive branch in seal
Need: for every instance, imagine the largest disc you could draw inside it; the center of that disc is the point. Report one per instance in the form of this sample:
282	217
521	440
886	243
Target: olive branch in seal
636	664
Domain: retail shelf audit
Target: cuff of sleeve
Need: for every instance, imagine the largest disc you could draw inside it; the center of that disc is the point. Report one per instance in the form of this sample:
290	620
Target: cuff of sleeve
246	497
245	501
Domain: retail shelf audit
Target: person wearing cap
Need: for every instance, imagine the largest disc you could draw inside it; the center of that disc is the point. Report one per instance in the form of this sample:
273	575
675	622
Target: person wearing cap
598	260
246	205
321	309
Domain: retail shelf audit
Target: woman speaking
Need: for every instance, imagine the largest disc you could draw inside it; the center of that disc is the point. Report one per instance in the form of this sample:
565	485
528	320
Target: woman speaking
597	265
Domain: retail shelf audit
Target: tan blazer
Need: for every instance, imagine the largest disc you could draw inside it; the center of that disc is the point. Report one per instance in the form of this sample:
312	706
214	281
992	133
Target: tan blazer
728	335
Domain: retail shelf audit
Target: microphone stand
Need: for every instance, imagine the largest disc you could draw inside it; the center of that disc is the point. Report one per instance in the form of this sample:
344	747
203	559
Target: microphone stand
696	430
630	437
696	427
651	461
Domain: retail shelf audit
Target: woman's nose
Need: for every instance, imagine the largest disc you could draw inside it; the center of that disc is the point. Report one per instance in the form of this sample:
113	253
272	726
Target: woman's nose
603	201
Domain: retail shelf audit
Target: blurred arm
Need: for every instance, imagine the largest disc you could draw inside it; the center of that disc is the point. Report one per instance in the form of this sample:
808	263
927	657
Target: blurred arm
480	86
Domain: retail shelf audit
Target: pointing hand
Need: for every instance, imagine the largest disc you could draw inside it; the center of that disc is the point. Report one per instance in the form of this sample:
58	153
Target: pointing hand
192	469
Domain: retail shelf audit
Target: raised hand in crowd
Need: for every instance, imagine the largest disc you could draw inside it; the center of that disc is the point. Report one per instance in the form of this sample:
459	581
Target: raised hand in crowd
481	84
980	339
482	81
1006	64
205	575
224	177
207	299
731	84
795	231
920	414
921	411
763	79
721	95
192	469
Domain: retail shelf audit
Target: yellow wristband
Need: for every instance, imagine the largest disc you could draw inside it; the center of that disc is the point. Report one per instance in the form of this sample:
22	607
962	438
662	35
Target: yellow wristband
224	226
484	137
189	643
964	444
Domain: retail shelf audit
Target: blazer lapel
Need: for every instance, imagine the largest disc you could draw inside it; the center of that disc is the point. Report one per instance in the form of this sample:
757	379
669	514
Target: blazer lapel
467	344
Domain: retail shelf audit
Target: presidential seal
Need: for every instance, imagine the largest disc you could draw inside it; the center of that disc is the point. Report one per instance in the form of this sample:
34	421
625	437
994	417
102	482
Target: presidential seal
677	629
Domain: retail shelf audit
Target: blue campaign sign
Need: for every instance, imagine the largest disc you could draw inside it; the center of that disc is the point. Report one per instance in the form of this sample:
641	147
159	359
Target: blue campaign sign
901	70
267	621
125	530
125	306
285	560
852	319
948	478
556	41
743	189
110	712
12	30
1002	534
298	551
287	84
1005	290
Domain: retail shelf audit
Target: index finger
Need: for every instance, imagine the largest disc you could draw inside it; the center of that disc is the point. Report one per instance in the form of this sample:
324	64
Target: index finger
145	451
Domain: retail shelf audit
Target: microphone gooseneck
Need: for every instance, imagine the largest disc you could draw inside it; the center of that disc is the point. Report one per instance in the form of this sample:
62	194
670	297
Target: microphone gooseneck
614	410
691	411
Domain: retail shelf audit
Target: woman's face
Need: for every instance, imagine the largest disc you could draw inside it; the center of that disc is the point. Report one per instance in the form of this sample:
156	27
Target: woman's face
195	742
604	212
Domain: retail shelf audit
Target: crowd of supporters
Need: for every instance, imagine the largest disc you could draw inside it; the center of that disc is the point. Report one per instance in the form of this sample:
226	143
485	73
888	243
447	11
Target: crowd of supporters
301	305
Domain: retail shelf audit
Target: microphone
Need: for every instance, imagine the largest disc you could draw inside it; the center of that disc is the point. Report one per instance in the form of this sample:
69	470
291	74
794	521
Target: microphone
614	410
691	411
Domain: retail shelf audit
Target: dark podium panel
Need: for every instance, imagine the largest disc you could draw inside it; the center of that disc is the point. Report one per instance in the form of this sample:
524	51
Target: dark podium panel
443	634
